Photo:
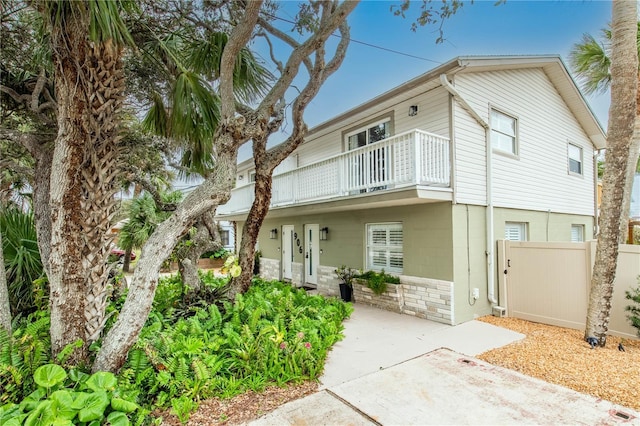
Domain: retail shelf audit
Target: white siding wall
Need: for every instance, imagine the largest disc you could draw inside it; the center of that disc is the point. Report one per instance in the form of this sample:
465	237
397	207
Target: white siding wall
538	179
433	109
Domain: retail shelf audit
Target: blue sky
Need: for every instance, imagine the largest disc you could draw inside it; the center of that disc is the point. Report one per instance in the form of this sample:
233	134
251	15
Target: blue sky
481	28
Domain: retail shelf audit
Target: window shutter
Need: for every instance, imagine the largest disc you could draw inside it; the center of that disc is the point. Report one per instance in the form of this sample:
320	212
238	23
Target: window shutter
385	247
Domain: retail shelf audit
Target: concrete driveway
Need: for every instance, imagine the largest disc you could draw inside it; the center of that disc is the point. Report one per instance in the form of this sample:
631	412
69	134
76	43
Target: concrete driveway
397	370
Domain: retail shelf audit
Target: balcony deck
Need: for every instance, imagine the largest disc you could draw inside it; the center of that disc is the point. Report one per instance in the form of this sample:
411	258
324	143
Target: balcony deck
411	160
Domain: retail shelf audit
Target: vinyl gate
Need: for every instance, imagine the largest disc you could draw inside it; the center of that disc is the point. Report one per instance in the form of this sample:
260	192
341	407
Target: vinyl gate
549	282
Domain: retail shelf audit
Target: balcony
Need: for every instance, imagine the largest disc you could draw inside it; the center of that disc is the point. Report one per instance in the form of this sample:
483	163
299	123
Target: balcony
411	159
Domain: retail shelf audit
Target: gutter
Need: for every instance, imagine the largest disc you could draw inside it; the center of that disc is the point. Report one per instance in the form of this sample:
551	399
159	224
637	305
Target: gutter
491	294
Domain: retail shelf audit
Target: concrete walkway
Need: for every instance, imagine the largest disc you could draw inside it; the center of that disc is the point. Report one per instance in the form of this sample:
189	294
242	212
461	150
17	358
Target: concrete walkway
394	369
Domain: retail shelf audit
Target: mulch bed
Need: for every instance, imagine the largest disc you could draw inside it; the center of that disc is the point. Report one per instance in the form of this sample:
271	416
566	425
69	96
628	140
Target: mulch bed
562	356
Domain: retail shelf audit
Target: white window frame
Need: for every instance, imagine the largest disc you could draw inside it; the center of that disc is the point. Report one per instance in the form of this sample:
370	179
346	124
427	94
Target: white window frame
571	157
497	132
390	250
579	229
365	129
225	237
512	229
252	176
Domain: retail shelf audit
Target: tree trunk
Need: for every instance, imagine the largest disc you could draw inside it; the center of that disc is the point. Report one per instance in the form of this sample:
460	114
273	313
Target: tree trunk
5	308
41	209
89	84
622	114
216	189
632	165
206	238
250	230
126	260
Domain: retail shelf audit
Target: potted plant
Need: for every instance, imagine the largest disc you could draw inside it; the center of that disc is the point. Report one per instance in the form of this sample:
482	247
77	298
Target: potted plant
346	276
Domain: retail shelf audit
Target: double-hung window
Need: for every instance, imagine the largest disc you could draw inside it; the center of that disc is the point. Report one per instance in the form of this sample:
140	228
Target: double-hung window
384	247
574	153
504	132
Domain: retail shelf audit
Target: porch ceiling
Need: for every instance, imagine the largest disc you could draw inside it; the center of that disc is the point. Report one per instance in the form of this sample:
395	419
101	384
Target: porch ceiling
387	198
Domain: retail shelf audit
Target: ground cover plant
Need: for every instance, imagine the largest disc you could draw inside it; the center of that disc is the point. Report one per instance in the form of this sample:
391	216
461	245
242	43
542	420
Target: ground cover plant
273	334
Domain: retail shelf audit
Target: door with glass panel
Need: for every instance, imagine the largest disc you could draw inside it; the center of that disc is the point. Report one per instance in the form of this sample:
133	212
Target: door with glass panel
311	253
287	252
370	168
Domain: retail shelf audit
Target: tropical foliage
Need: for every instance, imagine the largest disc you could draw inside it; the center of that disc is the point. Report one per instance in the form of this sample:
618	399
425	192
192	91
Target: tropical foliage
27	288
192	347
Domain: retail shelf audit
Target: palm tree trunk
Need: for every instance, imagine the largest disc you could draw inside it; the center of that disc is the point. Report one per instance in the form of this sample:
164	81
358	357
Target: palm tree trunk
89	85
5	308
632	164
622	114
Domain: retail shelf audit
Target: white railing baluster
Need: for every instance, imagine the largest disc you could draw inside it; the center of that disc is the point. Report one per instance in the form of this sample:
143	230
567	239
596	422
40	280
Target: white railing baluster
410	158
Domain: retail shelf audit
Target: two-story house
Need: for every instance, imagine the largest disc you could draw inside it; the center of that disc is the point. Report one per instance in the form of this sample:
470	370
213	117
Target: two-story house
422	180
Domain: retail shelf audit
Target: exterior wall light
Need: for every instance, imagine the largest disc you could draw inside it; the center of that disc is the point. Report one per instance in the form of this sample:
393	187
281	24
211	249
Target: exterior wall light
273	234
413	110
324	233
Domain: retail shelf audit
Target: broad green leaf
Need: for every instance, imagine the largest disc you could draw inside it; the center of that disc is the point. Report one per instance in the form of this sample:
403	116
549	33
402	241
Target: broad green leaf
16	421
49	375
41	415
118	419
62	406
80	400
101	381
62	422
123	405
78	376
33	400
95	405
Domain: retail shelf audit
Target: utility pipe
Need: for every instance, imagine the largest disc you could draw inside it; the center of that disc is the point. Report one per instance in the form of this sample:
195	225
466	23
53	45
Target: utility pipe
491	294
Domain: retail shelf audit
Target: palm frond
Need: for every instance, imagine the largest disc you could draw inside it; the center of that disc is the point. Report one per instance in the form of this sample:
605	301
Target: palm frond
251	79
590	61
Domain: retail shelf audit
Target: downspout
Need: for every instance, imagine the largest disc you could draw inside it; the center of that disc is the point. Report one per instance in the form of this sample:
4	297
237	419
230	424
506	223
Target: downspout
491	294
595	193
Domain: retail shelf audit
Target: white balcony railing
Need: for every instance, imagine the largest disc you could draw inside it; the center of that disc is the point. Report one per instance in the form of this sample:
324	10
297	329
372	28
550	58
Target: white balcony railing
410	158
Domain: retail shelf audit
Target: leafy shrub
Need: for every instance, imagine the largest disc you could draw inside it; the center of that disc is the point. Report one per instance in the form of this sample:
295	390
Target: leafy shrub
634	317
271	335
221	253
377	281
22	262
21	354
81	400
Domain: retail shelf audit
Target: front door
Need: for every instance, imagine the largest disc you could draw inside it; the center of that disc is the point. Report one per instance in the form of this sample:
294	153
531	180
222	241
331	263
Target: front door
311	253
287	251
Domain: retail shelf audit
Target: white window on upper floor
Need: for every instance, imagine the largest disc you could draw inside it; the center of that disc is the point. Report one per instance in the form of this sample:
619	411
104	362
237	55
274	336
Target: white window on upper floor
515	231
384	247
368	135
252	176
577	233
504	135
574	154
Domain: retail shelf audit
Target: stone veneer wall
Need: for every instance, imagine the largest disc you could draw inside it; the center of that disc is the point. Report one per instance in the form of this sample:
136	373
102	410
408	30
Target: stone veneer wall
428	298
269	269
421	297
328	284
